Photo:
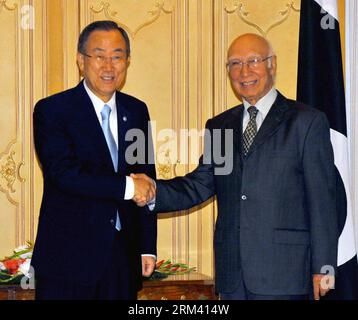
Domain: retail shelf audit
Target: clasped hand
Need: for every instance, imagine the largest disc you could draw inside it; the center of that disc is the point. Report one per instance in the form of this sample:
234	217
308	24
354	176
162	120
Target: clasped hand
144	189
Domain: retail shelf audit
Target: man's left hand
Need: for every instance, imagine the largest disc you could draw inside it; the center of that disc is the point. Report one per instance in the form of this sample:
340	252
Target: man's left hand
322	283
148	265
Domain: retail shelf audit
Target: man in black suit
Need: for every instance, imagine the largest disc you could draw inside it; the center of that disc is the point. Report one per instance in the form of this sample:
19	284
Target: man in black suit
92	242
276	231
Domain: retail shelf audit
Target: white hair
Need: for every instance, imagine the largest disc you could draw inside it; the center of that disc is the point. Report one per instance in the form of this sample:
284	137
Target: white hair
271	54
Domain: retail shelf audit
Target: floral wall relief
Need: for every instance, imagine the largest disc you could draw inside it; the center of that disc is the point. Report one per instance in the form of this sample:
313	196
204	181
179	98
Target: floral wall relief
238	7
5	5
153	14
10	173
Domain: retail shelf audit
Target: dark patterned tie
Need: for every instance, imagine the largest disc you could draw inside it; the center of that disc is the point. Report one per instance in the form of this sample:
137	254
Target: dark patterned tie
251	129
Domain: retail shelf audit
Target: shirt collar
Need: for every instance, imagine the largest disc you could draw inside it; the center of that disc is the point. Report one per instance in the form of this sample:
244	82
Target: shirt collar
97	102
265	103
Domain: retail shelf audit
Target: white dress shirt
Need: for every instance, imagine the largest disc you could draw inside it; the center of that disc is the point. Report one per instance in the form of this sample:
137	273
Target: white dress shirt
263	106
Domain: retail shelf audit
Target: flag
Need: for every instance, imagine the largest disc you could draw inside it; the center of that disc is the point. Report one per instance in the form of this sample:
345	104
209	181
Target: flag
320	84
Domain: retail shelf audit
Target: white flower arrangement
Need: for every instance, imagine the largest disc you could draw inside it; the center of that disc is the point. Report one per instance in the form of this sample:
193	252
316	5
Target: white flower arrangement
15	267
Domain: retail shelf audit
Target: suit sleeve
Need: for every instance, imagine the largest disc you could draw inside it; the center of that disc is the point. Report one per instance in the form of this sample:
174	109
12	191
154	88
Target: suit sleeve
60	165
182	193
148	221
320	188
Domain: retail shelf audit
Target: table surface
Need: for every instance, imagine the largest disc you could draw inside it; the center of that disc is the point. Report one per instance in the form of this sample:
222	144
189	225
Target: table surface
189	278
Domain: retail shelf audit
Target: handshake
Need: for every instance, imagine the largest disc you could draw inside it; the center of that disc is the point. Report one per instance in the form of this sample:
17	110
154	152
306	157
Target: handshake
144	189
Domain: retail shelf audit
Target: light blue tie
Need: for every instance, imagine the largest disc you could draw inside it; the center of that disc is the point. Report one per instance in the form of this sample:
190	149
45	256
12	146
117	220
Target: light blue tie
105	113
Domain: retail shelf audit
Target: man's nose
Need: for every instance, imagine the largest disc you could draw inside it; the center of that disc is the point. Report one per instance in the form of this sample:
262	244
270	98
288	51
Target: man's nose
107	64
244	69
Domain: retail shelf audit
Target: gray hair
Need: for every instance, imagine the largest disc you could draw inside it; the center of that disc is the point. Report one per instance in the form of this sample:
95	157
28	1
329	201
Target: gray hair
271	54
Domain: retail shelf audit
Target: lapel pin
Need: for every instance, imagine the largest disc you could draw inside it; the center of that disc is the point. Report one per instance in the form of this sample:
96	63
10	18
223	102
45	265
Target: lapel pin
124	118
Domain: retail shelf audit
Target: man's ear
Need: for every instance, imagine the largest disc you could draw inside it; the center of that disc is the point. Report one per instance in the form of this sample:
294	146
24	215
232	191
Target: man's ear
273	65
81	62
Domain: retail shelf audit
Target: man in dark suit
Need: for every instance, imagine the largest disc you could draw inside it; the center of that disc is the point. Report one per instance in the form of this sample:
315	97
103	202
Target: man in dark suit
93	243
276	231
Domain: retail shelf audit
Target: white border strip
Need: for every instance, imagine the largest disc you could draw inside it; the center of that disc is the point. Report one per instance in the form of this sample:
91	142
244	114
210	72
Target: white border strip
346	243
329	6
351	22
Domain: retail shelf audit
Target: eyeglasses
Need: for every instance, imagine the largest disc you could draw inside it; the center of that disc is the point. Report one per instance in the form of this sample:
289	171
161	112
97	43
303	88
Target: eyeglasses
252	63
100	59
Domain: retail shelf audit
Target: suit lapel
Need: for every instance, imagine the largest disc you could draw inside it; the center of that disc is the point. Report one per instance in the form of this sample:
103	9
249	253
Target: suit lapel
125	121
235	124
271	123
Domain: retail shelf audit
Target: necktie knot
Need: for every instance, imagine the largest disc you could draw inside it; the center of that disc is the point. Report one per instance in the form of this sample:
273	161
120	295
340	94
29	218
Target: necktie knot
252	110
106	111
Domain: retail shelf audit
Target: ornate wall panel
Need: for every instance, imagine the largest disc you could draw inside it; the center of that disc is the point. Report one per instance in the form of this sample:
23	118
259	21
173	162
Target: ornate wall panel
38	83
71	30
10	154
17	59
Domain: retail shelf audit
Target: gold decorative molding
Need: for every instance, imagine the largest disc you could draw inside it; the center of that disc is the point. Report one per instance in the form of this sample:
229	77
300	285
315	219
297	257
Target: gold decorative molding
3	5
154	14
21	179
238	6
164	167
165	170
9	172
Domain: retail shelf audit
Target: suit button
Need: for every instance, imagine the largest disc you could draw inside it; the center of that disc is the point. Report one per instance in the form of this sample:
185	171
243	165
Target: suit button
112	222
243	197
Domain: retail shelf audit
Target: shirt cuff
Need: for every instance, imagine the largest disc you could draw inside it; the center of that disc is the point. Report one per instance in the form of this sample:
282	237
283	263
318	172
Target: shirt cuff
150	255
151	204
129	193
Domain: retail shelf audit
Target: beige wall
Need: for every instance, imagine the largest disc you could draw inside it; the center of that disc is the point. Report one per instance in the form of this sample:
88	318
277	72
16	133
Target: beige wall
177	68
